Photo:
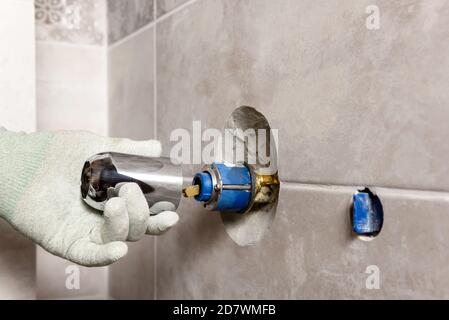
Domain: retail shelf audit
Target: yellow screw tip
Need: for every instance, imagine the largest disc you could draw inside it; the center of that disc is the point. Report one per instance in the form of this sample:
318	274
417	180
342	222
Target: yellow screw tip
191	191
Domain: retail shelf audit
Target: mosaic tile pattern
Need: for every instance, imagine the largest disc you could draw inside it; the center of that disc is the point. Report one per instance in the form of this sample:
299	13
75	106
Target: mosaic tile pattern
92	22
75	21
127	16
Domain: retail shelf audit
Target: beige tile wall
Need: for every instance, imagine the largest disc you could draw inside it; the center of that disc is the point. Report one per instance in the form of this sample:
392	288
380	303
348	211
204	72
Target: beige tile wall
71	87
353	106
309	252
127	16
130	86
165	6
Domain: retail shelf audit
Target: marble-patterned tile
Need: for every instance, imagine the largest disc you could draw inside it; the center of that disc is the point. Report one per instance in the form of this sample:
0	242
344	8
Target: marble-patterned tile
309	252
352	105
73	21
165	6
130	87
127	16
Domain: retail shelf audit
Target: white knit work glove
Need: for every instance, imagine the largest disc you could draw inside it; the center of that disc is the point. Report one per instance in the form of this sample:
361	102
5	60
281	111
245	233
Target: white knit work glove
40	196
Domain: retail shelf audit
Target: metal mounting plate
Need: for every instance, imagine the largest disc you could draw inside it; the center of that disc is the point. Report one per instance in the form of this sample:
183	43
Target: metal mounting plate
247	123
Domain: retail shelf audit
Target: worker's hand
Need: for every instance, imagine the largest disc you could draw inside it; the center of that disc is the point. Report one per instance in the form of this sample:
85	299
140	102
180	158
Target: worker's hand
40	196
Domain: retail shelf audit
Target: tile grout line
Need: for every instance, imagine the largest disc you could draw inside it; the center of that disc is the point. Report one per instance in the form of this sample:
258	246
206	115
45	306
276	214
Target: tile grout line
127	37
106	57
386	191
155	98
356	186
133	34
155	130
105	53
35	111
155	75
72	44
153	23
155	102
175	10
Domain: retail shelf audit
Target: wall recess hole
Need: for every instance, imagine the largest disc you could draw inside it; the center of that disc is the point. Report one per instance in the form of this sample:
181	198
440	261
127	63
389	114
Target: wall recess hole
366	215
250	227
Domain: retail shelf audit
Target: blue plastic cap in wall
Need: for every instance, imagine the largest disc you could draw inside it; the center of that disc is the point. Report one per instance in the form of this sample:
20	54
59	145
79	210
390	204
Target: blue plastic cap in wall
367	214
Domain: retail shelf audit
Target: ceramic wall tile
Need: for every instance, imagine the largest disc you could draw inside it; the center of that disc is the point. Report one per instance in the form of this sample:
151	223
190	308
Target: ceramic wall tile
71	96
352	105
127	16
130	87
133	276
309	252
17	66
58	279
17	264
90	22
73	21
165	6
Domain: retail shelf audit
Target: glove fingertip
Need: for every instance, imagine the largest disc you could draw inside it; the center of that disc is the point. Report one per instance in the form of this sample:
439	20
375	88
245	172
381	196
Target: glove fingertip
170	218
162	222
161	206
115	250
